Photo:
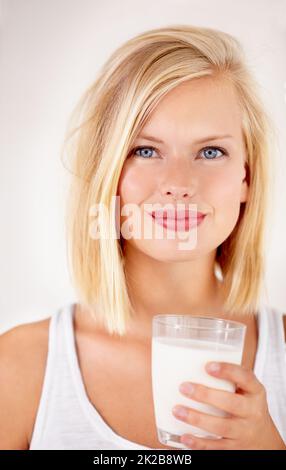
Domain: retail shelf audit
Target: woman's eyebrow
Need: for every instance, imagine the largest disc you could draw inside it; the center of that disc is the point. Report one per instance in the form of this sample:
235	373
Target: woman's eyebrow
199	141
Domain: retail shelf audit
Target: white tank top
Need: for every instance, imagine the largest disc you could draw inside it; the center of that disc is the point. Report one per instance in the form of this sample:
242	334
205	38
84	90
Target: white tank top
66	419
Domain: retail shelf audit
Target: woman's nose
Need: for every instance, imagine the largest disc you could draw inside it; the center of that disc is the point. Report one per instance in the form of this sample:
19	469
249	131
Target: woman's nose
178	180
178	184
175	192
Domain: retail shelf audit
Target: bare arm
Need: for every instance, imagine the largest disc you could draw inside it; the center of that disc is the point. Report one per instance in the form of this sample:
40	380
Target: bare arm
23	351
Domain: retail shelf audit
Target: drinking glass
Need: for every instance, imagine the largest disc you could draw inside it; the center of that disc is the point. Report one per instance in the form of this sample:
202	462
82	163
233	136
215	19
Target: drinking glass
181	347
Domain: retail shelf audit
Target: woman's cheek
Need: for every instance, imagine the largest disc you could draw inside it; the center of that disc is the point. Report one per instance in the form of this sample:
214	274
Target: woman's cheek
223	194
136	184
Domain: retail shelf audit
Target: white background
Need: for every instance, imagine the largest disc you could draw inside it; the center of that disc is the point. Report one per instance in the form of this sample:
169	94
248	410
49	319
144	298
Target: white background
50	52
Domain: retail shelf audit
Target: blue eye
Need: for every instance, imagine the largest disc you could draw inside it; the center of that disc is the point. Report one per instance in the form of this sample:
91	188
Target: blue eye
209	155
212	156
145	154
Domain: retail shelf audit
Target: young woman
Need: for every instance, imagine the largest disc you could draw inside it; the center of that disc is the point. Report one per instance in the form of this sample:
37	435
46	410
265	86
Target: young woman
174	117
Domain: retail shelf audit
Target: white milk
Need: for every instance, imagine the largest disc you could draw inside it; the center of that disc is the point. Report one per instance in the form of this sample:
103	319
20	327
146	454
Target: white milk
177	360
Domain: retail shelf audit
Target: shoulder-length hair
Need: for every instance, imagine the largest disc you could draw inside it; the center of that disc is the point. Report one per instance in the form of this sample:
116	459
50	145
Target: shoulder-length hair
100	133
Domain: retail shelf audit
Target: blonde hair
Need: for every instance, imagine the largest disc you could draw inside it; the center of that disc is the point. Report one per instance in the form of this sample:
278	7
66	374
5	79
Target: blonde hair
108	117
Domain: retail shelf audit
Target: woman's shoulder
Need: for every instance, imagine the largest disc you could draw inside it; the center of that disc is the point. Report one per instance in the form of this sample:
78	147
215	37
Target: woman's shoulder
23	356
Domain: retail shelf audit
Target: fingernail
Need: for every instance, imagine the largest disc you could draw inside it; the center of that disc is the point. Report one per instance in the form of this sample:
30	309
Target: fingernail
180	411
187	440
213	366
186	387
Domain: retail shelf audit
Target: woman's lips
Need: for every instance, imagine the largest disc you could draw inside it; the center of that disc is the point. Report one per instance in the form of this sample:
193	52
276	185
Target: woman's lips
180	223
173	214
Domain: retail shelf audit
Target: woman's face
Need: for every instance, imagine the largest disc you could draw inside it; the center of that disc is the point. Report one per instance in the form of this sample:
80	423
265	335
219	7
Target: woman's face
192	164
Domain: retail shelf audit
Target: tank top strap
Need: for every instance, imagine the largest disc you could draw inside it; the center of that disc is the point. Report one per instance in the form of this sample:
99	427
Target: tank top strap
57	372
276	338
61	324
58	349
274	370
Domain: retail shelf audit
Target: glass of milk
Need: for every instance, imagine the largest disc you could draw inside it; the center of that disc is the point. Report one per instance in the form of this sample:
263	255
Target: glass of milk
181	347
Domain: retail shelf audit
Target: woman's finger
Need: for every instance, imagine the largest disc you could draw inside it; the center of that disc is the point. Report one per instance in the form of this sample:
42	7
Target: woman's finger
221	426
245	379
200	443
233	403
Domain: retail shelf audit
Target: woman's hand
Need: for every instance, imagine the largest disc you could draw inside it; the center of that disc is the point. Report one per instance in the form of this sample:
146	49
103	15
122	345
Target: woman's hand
248	425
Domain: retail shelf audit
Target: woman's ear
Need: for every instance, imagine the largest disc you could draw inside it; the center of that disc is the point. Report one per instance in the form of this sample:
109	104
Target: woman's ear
245	184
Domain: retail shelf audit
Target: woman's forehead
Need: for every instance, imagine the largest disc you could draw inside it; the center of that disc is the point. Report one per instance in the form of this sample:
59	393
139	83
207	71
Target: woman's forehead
199	109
